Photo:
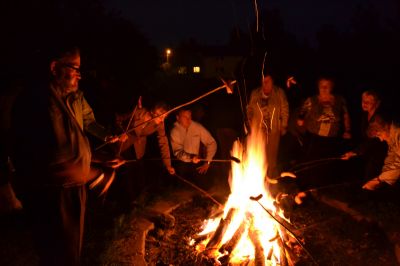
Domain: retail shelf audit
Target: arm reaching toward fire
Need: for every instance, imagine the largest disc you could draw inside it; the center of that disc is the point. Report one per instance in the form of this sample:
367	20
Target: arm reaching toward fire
204	168
211	148
348	155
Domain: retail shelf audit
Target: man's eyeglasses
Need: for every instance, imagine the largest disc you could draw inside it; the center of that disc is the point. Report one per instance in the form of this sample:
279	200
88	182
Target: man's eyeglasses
77	69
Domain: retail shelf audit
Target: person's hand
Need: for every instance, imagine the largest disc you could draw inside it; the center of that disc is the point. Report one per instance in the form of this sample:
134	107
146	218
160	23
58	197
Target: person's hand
347	135
171	170
195	159
290	81
300	122
203	169
111	139
115	163
348	155
147	116
124	137
372	184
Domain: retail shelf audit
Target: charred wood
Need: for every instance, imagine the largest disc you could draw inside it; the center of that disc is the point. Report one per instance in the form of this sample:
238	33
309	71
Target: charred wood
199	238
259	258
290	255
231	244
221	229
283	259
271	251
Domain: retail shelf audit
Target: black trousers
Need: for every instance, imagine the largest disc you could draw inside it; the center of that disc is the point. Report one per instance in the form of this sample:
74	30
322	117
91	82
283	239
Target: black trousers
130	183
57	218
318	147
190	173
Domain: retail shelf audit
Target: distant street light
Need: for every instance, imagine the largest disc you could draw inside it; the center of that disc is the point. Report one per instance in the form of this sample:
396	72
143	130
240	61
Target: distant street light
167	54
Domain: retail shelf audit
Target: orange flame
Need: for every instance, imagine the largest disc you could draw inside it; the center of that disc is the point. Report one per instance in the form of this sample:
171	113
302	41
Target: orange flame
248	179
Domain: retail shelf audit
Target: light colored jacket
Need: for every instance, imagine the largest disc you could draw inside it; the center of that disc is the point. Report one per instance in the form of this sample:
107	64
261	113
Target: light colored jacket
50	145
139	135
391	167
270	111
186	142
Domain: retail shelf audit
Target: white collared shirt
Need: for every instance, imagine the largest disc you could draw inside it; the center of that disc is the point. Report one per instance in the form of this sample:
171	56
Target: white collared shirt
186	142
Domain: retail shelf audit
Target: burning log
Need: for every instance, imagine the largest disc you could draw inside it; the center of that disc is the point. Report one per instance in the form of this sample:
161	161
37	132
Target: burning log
290	254
219	233
200	238
231	244
286	225
248	235
271	251
259	258
283	258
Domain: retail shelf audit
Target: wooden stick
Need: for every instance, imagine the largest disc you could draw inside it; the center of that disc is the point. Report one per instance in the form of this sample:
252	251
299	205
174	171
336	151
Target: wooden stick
205	193
225	86
283	259
129	123
232	159
287	229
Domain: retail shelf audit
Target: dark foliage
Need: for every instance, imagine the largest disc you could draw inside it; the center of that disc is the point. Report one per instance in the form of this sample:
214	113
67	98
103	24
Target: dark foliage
116	58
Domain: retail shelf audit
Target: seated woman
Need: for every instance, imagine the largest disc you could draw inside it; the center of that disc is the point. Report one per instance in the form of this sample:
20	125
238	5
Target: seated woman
326	120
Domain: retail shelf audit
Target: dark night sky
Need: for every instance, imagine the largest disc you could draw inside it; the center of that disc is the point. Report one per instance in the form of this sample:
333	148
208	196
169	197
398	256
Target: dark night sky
166	22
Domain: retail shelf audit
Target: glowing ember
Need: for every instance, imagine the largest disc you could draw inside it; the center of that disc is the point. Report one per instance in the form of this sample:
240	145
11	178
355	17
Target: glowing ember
246	232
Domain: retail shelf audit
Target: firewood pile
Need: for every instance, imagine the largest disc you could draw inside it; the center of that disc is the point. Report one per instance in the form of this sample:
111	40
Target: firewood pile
288	246
330	236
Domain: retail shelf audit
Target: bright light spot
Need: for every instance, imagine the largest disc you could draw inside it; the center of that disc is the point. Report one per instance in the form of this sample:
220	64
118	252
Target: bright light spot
247	180
196	69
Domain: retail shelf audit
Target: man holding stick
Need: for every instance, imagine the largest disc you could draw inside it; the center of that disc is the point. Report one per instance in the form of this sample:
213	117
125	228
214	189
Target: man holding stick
52	157
186	137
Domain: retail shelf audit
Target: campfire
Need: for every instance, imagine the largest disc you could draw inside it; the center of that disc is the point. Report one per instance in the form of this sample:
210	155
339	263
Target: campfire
252	229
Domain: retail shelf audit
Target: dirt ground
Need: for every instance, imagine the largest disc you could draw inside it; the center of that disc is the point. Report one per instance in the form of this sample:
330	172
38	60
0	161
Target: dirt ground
339	225
331	236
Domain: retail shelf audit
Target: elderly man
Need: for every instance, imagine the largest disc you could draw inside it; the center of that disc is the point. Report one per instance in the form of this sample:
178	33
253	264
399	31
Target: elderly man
269	109
389	133
186	137
52	158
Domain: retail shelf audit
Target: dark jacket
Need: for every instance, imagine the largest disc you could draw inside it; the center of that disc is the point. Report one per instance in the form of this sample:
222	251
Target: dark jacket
50	147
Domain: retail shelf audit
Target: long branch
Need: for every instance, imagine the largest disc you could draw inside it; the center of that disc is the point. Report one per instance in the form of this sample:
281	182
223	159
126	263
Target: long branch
172	110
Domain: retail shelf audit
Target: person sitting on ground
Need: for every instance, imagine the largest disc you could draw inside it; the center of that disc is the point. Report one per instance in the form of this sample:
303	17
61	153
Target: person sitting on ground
186	138
370	148
388	132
